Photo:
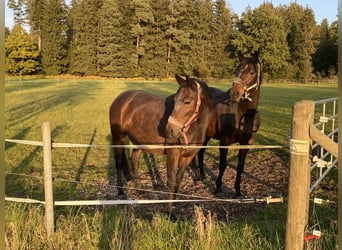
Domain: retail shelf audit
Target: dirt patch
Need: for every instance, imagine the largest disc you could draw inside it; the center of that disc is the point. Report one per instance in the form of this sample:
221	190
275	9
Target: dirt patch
265	175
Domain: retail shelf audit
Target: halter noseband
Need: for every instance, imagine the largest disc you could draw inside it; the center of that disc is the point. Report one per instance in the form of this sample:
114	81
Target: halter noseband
184	128
238	80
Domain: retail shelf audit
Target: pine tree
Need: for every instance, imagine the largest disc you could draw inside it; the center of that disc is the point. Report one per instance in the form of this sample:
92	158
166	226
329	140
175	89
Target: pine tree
35	13
325	58
112	38
178	36
22	55
19	11
154	63
85	30
221	63
141	21
54	38
201	37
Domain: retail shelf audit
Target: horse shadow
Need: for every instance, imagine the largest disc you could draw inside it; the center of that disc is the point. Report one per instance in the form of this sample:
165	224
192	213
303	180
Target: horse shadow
153	171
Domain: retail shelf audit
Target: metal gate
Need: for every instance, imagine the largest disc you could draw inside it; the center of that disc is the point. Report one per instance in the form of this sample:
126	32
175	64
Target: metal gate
326	120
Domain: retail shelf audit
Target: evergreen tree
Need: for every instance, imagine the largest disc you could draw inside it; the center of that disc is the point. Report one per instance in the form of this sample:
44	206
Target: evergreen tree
154	63
180	52
35	12
7	32
221	63
19	11
325	58
54	38
178	36
22	55
112	41
85	31
201	38
141	23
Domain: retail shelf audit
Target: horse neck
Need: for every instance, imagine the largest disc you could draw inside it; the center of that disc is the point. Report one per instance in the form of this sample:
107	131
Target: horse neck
254	102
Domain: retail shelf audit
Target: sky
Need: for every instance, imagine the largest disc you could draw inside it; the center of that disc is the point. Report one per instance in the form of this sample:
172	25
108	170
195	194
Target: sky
322	8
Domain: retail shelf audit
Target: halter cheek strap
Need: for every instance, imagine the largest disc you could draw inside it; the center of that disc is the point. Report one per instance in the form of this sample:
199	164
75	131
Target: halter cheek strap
184	128
255	85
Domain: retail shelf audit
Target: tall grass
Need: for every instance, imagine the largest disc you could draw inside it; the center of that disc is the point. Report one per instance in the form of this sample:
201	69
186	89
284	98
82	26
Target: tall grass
118	229
78	113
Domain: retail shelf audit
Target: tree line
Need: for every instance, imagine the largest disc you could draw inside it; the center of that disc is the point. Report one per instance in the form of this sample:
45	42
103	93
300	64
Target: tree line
158	38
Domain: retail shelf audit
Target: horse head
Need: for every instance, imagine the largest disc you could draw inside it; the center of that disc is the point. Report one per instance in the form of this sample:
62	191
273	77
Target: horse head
248	77
188	103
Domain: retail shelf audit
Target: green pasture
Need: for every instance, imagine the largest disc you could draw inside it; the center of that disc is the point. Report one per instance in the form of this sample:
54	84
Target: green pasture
78	113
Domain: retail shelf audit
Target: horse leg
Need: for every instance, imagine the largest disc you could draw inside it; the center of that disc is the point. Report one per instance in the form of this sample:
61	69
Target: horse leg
183	163
239	170
135	158
120	163
197	162
222	168
118	138
200	163
172	162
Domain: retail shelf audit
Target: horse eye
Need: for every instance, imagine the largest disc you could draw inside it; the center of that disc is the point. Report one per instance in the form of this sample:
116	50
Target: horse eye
187	102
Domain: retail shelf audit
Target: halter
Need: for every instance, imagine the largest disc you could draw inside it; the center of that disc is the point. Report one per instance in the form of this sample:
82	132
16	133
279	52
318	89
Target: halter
255	85
184	128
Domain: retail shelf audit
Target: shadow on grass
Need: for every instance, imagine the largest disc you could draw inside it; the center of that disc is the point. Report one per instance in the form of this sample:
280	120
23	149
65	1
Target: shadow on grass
27	108
85	157
17	184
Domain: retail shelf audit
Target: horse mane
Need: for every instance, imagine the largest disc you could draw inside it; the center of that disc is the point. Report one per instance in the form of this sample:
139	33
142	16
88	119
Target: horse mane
169	104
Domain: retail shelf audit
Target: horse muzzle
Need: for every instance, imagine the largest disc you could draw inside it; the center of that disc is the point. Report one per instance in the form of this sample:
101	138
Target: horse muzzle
173	128
238	90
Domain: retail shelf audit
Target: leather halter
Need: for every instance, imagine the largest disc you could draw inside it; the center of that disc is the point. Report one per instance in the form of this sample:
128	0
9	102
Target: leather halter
246	94
184	128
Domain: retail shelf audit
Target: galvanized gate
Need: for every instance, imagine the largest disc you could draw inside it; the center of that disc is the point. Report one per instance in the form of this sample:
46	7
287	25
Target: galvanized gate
326	121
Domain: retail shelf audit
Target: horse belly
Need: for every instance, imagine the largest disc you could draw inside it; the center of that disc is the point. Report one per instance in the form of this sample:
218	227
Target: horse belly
138	115
144	128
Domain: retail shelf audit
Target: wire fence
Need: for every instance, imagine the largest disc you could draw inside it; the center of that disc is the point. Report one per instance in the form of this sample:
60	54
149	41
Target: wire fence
321	157
191	198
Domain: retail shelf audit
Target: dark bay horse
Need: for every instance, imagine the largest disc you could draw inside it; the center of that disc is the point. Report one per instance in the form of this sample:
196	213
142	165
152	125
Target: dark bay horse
180	119
235	120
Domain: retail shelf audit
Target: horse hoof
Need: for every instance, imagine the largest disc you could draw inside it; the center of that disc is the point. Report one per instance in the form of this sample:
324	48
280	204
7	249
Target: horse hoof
120	192
220	195
200	177
239	195
172	217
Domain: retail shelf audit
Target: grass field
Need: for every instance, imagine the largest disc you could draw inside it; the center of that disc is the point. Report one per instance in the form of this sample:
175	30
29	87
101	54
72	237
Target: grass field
78	113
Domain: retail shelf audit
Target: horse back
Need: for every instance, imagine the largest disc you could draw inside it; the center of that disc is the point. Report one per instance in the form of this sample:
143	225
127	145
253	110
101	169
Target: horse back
139	115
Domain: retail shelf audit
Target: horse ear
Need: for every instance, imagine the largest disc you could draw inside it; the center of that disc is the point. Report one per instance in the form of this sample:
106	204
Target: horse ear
180	80
256	56
191	82
240	56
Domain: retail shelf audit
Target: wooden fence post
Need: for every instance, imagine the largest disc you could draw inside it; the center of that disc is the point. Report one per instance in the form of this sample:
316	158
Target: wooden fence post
48	188
299	179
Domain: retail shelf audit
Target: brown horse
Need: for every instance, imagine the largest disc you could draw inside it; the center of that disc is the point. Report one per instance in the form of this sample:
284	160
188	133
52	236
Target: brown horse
180	119
235	119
